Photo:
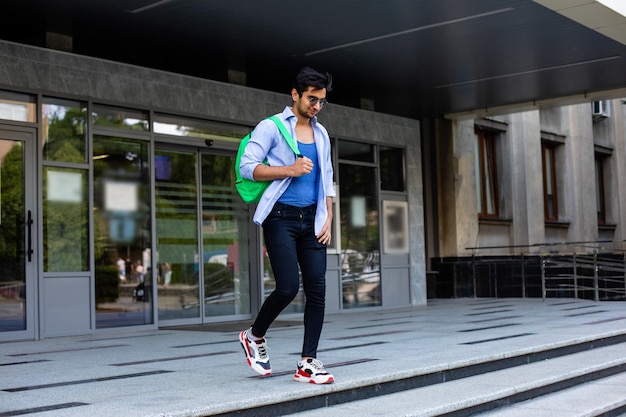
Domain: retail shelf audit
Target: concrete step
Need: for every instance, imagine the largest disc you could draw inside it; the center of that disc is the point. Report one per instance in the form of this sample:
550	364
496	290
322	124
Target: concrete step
605	397
587	383
373	354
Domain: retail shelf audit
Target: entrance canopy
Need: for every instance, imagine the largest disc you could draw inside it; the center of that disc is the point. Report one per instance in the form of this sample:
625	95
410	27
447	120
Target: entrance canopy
414	58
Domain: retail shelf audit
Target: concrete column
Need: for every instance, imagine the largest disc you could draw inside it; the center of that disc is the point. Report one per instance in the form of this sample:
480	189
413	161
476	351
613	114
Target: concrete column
457	187
524	137
579	184
616	189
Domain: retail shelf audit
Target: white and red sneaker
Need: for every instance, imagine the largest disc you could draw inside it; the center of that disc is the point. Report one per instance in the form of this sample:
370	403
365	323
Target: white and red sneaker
256	354
313	372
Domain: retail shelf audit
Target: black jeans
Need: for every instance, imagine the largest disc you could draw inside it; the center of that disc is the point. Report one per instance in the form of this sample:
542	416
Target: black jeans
290	241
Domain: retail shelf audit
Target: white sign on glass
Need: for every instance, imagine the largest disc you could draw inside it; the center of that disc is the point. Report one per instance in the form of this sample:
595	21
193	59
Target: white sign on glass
66	187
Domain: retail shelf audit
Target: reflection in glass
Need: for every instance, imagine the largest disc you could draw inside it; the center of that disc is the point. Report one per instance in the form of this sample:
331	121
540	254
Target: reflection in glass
391	168
122	232
118	117
65	220
224	276
355	151
17	106
360	245
12	237
198	128
64	130
224	231
177	234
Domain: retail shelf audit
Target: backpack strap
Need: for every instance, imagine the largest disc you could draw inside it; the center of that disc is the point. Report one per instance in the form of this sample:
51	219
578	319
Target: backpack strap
286	135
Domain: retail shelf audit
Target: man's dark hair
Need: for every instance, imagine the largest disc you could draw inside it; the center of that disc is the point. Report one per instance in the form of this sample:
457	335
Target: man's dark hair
308	77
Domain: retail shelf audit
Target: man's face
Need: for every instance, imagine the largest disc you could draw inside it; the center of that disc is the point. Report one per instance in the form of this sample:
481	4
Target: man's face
310	102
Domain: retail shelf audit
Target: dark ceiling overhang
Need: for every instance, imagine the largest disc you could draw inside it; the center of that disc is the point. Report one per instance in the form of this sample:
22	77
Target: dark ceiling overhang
414	58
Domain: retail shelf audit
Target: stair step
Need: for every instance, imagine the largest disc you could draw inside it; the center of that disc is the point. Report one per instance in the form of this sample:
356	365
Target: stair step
488	391
603	397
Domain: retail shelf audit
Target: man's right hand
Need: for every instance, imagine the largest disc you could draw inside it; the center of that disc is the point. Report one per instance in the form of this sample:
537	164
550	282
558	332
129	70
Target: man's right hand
302	166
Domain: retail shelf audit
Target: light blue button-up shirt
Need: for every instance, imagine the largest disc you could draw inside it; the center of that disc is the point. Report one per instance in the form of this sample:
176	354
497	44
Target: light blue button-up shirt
268	143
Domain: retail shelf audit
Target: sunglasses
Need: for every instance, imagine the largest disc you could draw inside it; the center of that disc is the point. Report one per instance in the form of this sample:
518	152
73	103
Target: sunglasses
314	100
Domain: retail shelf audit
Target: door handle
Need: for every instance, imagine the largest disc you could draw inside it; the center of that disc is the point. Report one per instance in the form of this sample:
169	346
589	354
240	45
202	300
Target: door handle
29	225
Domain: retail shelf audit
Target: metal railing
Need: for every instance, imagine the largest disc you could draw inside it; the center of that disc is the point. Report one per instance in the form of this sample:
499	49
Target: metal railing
602	277
590	269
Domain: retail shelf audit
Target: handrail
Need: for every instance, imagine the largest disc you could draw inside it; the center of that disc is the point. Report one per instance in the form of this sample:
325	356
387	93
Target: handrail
535	245
600	274
594	263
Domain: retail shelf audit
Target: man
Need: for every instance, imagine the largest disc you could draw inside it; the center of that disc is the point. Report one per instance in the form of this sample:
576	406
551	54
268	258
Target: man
296	216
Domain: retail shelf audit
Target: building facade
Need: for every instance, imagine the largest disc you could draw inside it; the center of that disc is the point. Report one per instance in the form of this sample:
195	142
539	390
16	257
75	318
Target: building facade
119	208
514	187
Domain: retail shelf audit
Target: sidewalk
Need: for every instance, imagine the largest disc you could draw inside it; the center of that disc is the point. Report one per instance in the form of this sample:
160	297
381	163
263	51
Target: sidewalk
202	371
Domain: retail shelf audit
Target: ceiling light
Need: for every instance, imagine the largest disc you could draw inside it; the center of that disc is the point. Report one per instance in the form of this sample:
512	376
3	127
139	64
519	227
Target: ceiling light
515	74
149	6
404	32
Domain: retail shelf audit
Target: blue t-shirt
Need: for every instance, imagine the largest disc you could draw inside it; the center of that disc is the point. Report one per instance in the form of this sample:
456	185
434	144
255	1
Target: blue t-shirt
302	191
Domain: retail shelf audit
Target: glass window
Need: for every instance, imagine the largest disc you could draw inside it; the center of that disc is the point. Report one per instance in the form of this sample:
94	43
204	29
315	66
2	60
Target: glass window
486	173
550	197
17	107
360	245
108	116
224	231
195	128
600	192
13	237
65	220
122	232
176	206
355	151
64	133
391	168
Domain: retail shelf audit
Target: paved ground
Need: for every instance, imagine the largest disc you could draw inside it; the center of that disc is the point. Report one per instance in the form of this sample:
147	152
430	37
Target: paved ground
200	371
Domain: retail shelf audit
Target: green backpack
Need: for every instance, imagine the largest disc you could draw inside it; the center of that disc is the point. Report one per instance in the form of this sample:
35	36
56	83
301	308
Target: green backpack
252	191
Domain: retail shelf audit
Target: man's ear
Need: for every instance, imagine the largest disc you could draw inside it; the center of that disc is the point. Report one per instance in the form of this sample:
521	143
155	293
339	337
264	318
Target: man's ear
294	94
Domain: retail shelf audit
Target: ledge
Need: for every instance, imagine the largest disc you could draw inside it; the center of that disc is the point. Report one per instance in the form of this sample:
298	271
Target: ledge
557	224
611	227
494	221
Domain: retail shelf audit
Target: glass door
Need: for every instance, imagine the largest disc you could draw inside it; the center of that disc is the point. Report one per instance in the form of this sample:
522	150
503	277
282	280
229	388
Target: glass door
176	209
225	240
17	234
360	243
122	232
201	224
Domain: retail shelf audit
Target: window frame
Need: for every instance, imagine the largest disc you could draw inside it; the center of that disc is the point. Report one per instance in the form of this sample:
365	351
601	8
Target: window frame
487	192
600	162
551	181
